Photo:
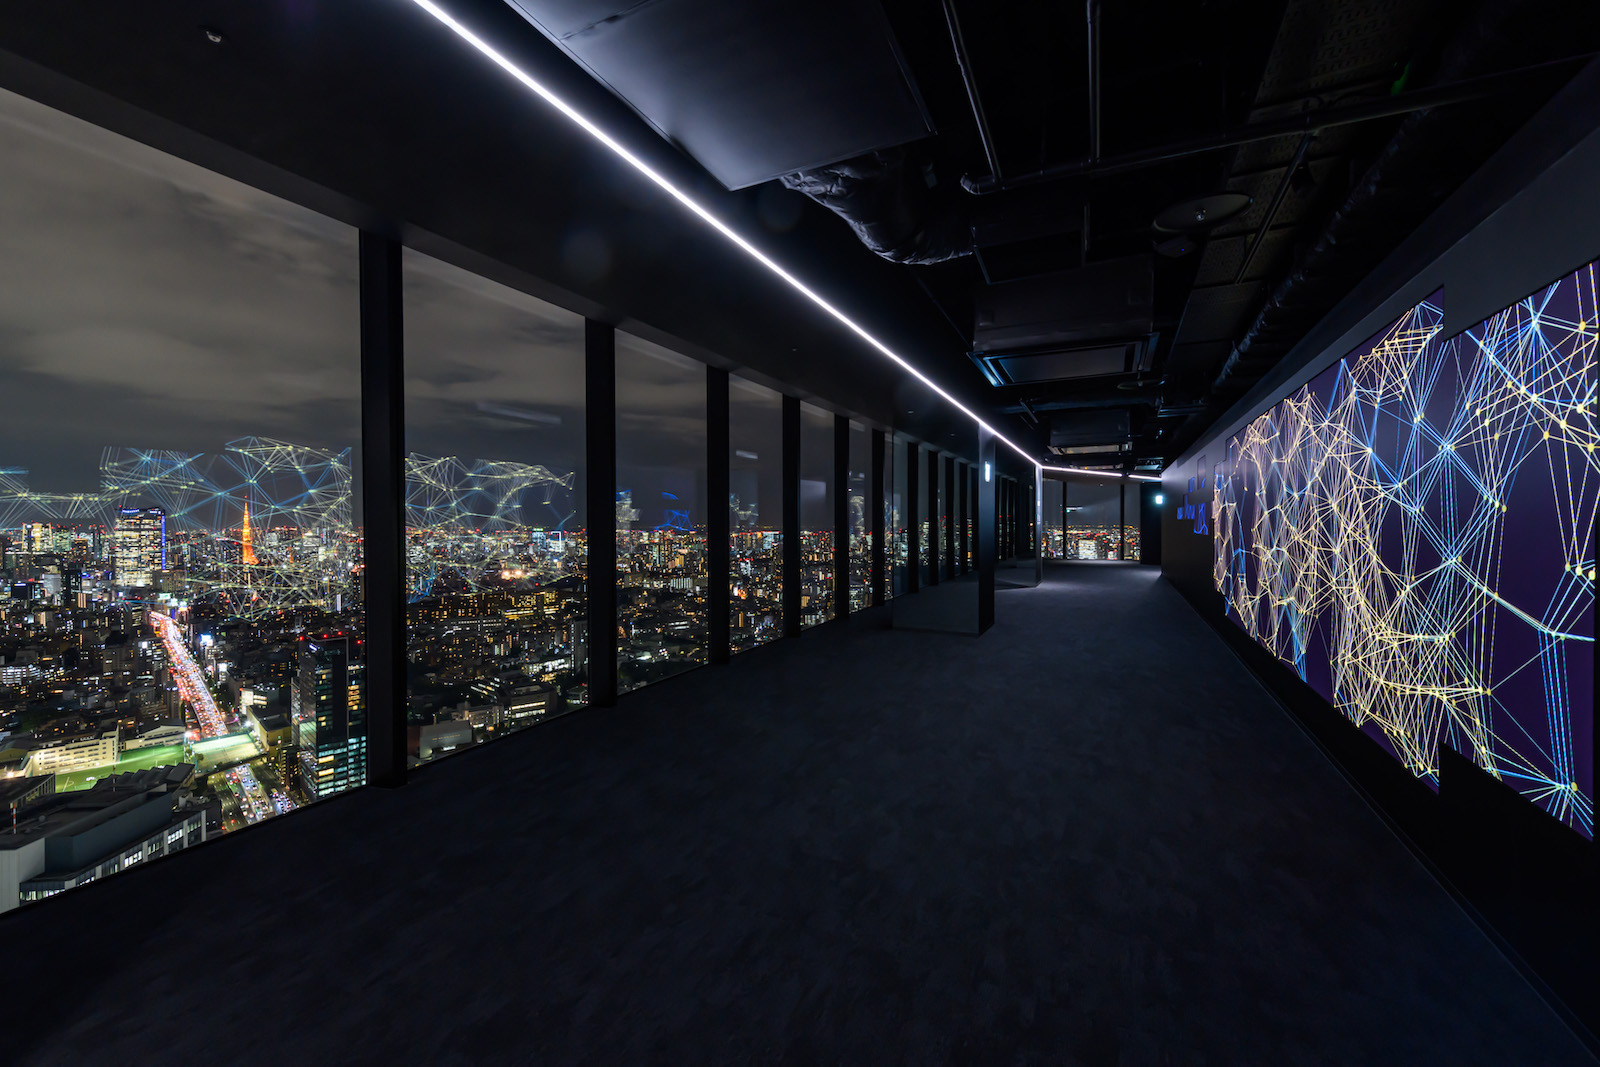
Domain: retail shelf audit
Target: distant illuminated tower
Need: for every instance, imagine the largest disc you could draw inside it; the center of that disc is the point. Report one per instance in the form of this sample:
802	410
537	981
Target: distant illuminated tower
139	546
247	552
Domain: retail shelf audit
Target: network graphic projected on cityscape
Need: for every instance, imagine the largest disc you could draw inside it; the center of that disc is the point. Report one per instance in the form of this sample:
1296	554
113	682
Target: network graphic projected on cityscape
1413	531
297	498
461	517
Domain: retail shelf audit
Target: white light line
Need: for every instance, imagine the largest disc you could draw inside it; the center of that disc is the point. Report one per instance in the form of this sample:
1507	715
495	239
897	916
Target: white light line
705	215
1105	474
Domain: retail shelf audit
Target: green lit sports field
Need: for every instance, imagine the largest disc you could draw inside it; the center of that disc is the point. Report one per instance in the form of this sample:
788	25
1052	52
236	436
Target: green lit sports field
138	760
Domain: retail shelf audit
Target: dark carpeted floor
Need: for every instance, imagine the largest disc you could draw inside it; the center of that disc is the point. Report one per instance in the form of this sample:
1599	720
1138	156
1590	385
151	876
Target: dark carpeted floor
1087	837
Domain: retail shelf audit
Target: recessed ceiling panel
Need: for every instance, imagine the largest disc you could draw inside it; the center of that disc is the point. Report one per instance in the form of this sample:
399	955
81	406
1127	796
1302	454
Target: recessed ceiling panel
1059	366
751	90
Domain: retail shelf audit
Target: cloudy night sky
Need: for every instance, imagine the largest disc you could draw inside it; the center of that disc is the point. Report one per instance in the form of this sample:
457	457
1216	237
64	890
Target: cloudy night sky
148	303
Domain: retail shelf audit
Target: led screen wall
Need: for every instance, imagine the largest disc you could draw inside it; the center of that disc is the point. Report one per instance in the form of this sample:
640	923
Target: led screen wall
1413	532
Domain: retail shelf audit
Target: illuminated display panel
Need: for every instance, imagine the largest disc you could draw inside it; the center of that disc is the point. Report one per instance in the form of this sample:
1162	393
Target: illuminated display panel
755	519
1413	531
496	547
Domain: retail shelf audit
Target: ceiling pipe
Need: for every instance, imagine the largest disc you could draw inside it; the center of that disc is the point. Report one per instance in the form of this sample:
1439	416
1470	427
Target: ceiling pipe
1278	195
964	62
1306	122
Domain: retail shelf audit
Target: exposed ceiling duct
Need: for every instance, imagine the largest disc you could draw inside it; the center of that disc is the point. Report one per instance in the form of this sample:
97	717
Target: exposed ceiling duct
889	202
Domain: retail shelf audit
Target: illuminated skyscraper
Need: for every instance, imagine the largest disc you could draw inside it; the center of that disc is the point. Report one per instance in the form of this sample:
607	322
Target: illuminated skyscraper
139	547
247	552
329	716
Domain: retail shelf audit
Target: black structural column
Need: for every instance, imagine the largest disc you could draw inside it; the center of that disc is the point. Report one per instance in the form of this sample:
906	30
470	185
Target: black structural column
719	534
875	508
988	527
935	557
950	516
841	517
383	507
791	516
600	475
913	528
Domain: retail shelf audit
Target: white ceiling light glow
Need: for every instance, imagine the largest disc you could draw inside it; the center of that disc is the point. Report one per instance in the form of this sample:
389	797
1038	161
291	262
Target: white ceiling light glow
1104	474
703	213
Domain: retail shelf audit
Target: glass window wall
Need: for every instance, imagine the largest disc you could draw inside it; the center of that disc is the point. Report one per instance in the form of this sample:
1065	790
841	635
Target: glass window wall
496	535
660	515
1095	524
179	551
897	519
860	490
816	516
755	520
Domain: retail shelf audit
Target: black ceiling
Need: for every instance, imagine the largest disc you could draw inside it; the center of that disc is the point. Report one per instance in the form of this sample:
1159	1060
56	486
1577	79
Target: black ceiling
1055	283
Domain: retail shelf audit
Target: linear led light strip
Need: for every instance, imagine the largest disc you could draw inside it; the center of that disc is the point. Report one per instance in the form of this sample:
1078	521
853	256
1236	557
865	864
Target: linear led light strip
704	214
1102	474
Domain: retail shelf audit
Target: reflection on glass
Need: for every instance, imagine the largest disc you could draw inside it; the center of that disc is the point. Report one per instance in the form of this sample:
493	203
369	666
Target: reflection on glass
816	516
1052	539
755	505
926	505
496	538
972	518
860	490
1095	526
897	520
660	517
181	623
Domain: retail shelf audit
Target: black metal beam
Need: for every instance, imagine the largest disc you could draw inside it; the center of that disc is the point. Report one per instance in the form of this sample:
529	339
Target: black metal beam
383	507
791	516
600	497
964	63
841	517
875	506
719	525
1273	205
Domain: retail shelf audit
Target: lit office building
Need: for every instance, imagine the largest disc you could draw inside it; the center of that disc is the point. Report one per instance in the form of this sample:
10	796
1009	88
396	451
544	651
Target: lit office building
139	546
328	717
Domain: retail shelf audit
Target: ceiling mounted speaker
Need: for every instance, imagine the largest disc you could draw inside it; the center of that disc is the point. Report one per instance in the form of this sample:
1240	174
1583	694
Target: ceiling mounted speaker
1201	212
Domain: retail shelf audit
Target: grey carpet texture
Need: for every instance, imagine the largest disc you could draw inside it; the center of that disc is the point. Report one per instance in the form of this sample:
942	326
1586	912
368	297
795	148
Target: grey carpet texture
1086	837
